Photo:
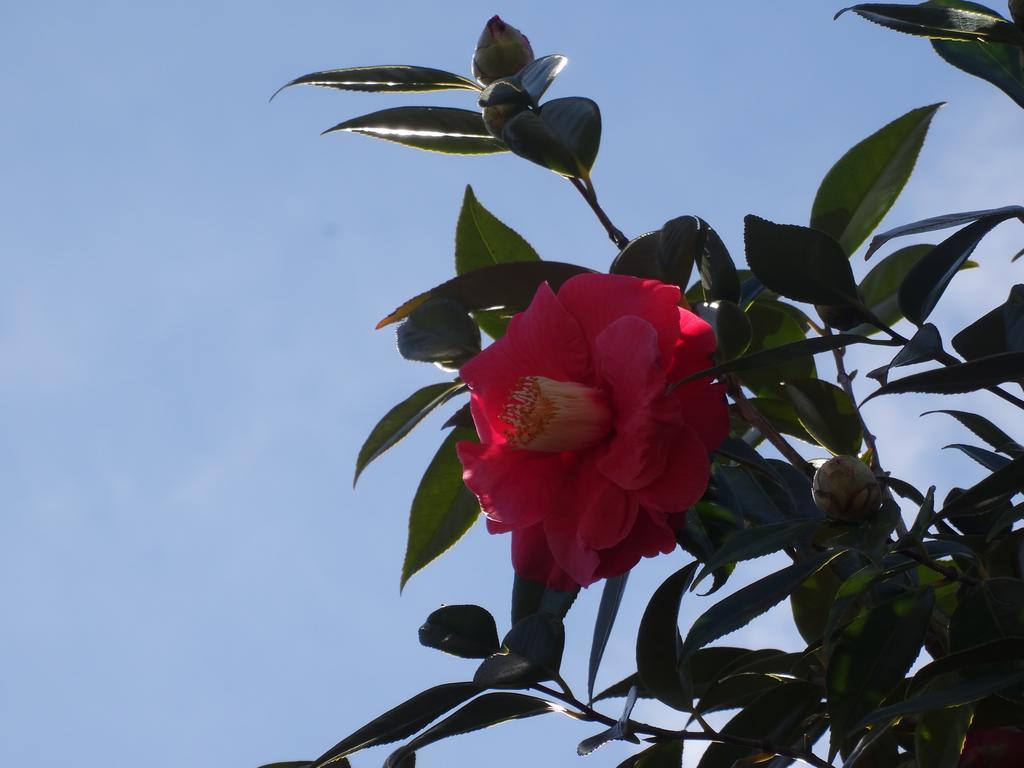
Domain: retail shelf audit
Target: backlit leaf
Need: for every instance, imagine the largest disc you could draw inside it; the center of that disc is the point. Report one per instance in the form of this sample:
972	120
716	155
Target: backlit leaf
941	23
437	129
390	78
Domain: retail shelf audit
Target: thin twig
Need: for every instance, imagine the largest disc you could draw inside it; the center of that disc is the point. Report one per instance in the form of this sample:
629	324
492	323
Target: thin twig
757	420
590	195
949	574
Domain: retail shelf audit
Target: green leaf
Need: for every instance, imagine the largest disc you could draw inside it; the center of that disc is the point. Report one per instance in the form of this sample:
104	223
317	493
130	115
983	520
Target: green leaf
827	413
640	258
964	377
389	78
436	129
482	240
999	64
799	263
941	23
940	735
657	642
1004	481
746	604
988	611
811	602
988	459
563	135
784	353
443	509
944	222
755	542
403	418
530	597
923	346
736	691
526	86
730	324
611	598
402	721
503	286
871	656
668	754
860	189
679	242
468	631
782	416
439	331
1001	330
300	764
984	429
880	286
927	279
754	496
483	712
776	716
618	732
773	326
530	653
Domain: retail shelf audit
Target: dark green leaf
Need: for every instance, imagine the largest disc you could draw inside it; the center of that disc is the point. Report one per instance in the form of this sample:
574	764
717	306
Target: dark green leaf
773	326
965	377
483	712
657	642
402	721
859	189
679	242
718	276
939	736
1004	481
984	429
468	631
880	286
402	419
443	509
530	653
927	280
784	353
1001	330
461	418
776	716
850	592
506	286
301	764
941	23
611	597
925	345
799	263
1004	653
988	459
827	413
872	655
527	86
736	691
944	222
437	129
391	78
755	497
439	331
668	754
563	136
999	64
640	258
731	327
618	732
811	602
748	603
988	611
782	416
530	597
756	542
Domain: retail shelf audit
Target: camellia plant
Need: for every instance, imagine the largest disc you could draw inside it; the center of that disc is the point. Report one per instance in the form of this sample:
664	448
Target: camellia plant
669	404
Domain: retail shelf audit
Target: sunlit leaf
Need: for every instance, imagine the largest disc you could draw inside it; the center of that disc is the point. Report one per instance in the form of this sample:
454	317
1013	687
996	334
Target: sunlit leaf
437	129
941	23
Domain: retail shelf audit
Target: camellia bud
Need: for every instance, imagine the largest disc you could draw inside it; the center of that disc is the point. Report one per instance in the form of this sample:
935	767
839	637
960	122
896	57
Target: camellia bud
845	488
1017	11
495	117
501	51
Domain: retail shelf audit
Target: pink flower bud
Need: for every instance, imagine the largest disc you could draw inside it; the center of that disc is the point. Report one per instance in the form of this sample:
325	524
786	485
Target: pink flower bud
502	50
844	488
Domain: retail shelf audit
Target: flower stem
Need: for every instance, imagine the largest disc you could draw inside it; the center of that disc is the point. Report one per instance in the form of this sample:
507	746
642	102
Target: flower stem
755	419
586	188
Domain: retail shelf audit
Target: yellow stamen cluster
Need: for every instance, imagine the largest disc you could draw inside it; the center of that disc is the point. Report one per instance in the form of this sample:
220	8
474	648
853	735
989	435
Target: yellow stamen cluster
554	416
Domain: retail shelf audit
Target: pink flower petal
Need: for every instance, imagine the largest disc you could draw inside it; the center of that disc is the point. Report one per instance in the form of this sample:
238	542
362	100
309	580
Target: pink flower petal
650	536
515	488
685	477
532	559
606	511
544	340
597	301
704	408
572	556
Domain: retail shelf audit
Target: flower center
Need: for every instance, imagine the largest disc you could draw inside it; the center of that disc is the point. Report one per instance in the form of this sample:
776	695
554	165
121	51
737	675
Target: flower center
555	416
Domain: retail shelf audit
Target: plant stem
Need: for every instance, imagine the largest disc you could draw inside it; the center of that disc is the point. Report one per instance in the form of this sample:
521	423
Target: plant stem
590	195
665	735
950	574
755	419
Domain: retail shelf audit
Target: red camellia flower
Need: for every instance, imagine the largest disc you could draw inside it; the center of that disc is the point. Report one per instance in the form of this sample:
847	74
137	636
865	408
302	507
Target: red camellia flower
993	748
583	455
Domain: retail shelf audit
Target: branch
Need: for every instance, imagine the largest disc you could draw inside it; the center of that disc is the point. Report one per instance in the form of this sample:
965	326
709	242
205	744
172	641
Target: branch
755	419
590	195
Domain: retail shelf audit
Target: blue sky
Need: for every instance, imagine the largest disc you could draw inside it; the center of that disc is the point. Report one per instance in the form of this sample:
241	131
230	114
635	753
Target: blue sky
189	279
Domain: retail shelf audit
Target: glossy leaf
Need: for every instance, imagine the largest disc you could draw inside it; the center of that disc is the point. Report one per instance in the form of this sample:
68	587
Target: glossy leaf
401	721
990	610
731	326
1000	330
880	286
988	459
781	415
944	222
611	598
984	429
679	242
530	653
530	597
528	85
503	286
941	23
859	189
772	326
436	129
563	136
439	331
640	258
483	712
389	78
965	377
443	509
755	542
923	346
811	602
871	656
827	413
657	642
468	631
402	419
799	263
718	276
746	604
939	736
998	63
927	279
